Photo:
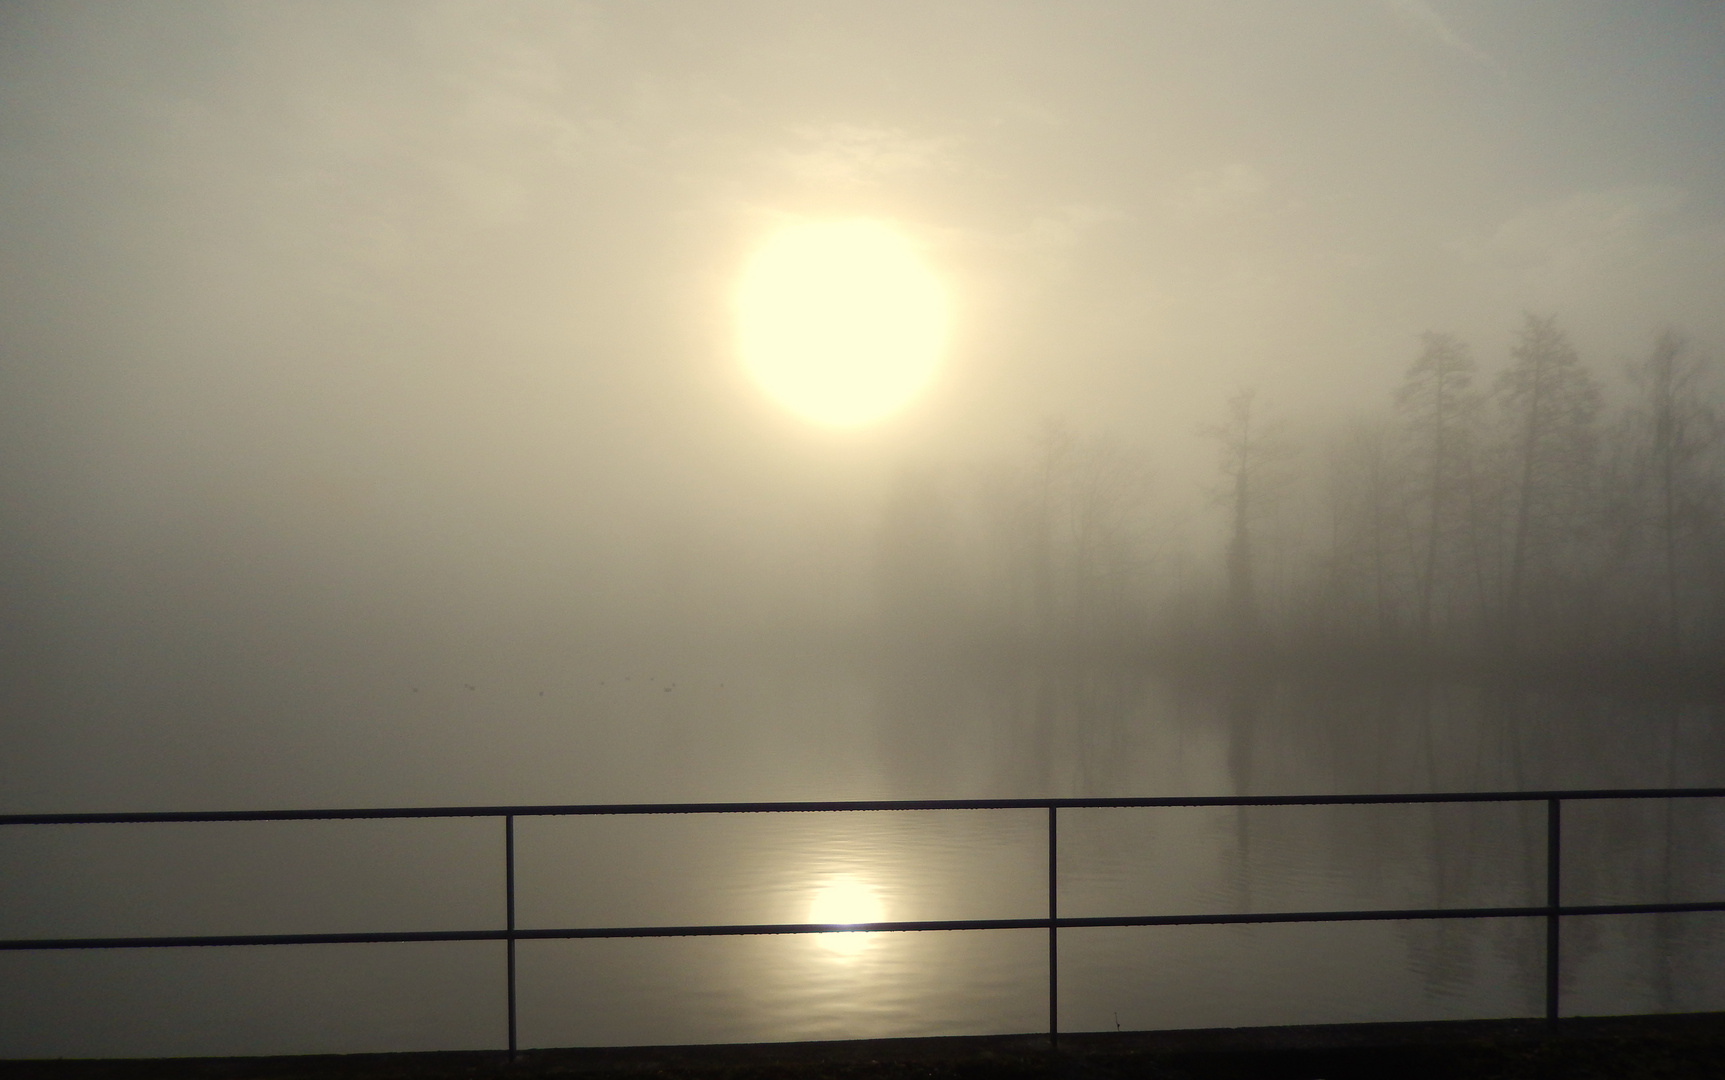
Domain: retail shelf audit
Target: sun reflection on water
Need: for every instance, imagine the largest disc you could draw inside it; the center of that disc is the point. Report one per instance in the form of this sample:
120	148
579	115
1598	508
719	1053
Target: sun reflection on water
846	900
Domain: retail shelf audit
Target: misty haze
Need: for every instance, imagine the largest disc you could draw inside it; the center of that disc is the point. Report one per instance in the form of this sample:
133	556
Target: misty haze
444	404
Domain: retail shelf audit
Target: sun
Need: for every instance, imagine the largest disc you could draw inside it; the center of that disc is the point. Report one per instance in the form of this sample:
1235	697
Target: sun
846	901
841	321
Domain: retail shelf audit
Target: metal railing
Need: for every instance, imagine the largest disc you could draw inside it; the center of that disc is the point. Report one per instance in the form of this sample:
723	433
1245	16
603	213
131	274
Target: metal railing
1552	911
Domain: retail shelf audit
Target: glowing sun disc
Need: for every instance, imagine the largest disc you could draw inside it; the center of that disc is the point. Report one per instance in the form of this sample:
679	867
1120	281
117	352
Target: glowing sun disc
840	321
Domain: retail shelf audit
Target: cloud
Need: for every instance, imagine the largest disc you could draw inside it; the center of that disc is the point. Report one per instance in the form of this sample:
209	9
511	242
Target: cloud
1419	16
861	154
1624	257
1064	226
1209	195
1555	245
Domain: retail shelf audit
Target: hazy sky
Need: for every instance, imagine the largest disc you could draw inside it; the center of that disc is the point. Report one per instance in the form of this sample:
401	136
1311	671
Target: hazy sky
340	339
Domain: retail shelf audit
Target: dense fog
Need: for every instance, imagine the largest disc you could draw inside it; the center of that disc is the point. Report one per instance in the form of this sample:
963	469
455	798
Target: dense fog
1330	400
1474	520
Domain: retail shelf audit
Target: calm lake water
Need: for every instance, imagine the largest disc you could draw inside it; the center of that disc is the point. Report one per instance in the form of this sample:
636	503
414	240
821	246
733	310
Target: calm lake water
911	735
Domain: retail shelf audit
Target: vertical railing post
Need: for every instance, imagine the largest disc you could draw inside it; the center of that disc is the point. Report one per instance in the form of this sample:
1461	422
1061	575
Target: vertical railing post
1553	896
1053	935
509	916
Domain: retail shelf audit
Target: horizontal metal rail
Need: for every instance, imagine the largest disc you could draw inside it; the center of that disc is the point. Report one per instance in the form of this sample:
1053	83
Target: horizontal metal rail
746	929
1553	911
584	809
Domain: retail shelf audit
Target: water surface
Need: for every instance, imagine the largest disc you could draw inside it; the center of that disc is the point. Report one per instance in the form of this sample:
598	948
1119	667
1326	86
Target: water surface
851	735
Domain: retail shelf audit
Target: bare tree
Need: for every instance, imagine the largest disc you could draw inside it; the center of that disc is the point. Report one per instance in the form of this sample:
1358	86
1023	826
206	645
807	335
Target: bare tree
1550	406
1365	567
1084	513
1672	433
1439	410
1054	448
1254	455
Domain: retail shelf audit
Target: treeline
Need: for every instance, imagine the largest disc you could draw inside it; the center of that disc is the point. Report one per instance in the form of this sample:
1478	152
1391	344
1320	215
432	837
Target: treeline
1526	516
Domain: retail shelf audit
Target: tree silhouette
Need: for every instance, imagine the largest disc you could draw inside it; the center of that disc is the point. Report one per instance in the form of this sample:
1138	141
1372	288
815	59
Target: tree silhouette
1672	486
1550	405
1439	410
1365	569
1254	455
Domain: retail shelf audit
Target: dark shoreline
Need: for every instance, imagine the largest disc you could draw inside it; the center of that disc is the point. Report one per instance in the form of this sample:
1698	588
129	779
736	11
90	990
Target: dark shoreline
1582	1048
